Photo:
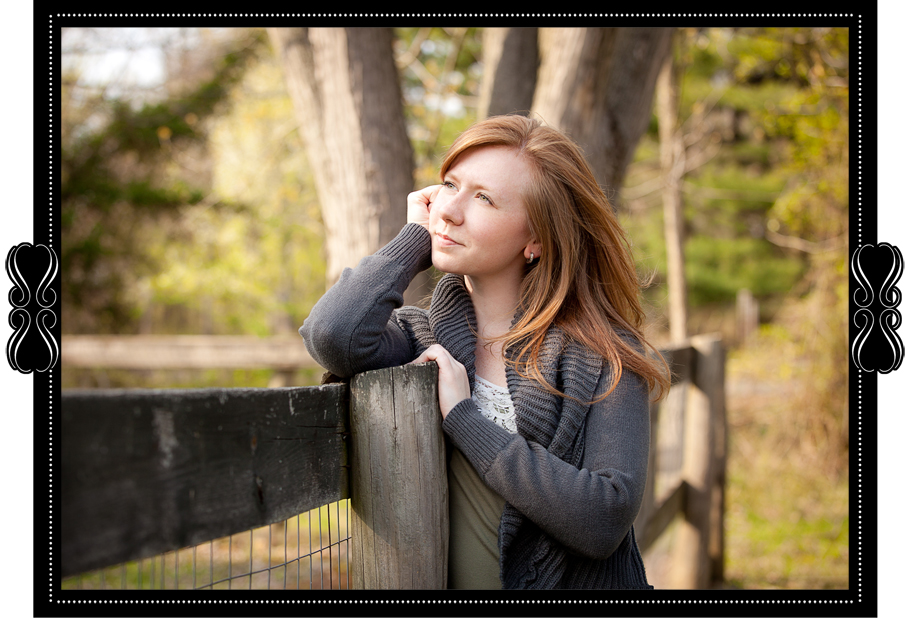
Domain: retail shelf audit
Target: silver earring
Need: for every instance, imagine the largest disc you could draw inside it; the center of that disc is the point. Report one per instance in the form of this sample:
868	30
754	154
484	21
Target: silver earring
531	259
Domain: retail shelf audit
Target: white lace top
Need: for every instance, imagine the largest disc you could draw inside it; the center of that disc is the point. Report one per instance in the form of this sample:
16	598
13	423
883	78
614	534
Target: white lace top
495	403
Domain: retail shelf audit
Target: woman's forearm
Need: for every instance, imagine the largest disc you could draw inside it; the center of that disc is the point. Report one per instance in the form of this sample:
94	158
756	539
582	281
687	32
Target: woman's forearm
349	330
588	509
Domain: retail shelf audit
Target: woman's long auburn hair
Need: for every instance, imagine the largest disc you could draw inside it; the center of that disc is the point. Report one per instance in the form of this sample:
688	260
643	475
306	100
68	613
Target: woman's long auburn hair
585	281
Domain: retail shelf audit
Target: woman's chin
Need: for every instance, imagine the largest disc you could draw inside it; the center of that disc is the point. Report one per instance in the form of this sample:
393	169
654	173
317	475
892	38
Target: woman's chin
444	264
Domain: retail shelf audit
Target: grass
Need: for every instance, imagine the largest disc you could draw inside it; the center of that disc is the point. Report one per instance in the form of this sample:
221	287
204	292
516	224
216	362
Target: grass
787	504
787	513
309	551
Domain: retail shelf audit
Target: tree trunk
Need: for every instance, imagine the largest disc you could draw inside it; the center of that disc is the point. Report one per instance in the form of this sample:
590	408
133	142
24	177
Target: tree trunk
346	94
672	167
511	60
597	85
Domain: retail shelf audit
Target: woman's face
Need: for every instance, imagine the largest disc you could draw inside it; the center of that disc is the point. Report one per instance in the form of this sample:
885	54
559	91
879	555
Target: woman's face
478	221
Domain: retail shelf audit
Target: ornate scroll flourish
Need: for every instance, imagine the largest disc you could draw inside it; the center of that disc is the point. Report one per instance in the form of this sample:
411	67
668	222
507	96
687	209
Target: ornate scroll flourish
877	347
33	270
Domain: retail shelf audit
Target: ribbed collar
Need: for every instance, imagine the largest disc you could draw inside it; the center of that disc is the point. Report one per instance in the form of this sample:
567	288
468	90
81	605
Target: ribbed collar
453	321
547	418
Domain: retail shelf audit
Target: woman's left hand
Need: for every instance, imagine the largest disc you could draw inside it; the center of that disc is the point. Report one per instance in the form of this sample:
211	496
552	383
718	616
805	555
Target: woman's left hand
453	377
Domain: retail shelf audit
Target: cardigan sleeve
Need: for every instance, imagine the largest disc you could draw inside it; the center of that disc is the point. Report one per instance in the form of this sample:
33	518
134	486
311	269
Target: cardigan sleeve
350	329
590	509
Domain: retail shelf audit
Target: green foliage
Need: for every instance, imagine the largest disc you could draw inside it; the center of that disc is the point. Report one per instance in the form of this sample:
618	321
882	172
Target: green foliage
765	116
258	267
440	75
89	157
813	210
149	244
787	515
118	185
717	268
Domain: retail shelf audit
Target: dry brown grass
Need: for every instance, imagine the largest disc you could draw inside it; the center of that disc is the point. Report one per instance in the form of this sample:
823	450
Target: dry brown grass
786	515
787	495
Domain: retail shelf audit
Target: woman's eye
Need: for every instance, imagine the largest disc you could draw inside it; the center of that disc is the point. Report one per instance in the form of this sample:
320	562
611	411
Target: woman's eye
484	198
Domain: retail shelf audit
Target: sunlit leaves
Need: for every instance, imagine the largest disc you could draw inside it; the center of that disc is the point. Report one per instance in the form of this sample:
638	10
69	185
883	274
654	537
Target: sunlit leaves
258	266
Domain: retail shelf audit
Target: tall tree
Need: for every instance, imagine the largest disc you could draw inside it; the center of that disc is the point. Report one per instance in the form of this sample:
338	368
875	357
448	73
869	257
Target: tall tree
347	98
672	165
510	74
597	84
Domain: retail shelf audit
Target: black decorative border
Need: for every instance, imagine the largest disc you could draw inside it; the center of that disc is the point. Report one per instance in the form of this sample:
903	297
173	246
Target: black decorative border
35	343
876	269
860	599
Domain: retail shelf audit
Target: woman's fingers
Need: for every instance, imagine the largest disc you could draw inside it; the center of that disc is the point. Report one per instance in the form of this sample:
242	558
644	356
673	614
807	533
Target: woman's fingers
432	353
453	377
419	205
441	356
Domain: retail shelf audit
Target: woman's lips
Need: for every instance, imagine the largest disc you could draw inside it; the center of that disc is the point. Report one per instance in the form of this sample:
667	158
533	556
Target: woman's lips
445	241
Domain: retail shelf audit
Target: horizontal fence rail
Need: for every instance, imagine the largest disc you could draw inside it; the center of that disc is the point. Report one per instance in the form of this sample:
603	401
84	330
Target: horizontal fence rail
149	471
145	472
184	352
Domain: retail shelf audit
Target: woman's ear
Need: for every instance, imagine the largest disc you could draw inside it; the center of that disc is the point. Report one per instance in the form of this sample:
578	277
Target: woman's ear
532	251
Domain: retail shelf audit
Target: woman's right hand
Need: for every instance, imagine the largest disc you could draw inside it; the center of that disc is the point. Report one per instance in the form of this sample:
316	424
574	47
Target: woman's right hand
419	205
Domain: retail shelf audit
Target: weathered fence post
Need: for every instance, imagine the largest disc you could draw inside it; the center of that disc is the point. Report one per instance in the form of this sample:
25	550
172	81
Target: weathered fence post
692	564
399	491
664	492
716	545
747	315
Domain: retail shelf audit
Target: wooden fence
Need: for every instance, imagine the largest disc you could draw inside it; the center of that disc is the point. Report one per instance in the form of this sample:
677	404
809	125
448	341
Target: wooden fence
694	481
145	472
285	355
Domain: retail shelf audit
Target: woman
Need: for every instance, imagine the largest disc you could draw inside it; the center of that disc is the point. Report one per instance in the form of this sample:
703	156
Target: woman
543	376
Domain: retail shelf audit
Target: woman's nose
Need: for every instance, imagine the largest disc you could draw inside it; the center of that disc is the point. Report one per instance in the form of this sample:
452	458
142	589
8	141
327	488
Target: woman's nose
449	207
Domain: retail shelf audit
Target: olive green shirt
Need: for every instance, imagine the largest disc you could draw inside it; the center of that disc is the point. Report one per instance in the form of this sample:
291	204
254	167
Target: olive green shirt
474	513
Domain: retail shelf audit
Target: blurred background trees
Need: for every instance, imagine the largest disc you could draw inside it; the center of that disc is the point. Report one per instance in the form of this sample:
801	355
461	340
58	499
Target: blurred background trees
172	199
222	197
216	190
763	180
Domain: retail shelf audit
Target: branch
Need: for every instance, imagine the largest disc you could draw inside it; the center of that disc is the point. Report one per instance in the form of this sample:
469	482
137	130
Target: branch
726	194
405	59
801	244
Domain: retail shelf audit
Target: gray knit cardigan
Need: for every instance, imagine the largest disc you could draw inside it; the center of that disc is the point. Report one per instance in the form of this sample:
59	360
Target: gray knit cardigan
574	474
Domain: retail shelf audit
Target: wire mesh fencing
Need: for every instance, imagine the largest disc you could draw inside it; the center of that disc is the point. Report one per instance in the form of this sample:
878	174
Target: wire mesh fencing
309	551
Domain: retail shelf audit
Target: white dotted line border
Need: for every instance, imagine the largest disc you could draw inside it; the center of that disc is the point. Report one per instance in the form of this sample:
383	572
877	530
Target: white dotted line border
373	15
859	137
50	145
859	180
468	601
448	601
50	373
